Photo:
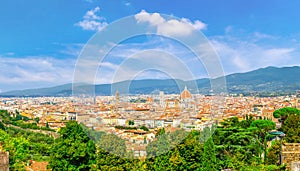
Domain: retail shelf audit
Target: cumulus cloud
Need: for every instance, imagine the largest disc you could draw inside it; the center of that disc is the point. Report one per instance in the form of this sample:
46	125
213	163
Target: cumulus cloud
92	21
91	14
171	27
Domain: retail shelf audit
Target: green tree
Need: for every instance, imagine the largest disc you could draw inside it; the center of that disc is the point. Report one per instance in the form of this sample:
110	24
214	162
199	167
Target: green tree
112	154
273	153
283	113
158	147
165	142
205	134
19	152
73	150
37	120
186	155
161	131
291	127
144	128
93	134
18	149
209	160
263	127
237	144
263	168
2	126
113	144
130	122
191	151
18	117
247	122
230	122
109	161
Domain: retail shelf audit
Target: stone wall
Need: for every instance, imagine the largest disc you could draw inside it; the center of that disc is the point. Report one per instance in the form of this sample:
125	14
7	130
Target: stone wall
4	161
291	155
295	166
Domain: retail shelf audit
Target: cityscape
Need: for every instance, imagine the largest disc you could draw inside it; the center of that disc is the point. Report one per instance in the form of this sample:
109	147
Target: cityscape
138	118
94	85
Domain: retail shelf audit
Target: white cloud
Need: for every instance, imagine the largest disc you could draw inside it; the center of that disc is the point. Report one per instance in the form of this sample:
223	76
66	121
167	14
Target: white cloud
36	69
92	21
278	52
135	54
154	19
91	14
239	55
198	25
108	65
259	35
236	54
230	57
92	25
72	50
139	64
171	27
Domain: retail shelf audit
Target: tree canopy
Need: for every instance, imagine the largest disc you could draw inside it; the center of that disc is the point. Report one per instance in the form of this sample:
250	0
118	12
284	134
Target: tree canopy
284	112
233	144
291	127
73	150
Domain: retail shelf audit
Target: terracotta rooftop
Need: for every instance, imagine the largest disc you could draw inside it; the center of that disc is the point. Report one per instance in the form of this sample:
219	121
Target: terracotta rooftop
185	94
37	166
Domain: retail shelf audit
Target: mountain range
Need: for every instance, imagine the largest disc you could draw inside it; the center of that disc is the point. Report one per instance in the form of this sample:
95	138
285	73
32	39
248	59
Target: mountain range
270	80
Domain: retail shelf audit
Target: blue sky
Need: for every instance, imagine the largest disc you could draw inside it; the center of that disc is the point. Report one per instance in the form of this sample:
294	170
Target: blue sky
41	40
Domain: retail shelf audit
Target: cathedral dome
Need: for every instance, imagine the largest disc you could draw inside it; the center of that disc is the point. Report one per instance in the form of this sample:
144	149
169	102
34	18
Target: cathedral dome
185	94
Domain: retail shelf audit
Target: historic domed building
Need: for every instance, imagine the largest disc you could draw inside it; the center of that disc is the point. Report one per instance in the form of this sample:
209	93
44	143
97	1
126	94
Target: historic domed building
185	94
186	99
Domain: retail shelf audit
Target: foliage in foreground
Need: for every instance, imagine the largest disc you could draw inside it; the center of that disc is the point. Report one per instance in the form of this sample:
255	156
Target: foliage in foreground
234	144
73	150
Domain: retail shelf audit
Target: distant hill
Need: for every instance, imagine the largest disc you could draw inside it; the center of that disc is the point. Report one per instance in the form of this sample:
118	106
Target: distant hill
61	90
269	79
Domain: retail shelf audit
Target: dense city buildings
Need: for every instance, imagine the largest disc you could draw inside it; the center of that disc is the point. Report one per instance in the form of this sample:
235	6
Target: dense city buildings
146	113
137	120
